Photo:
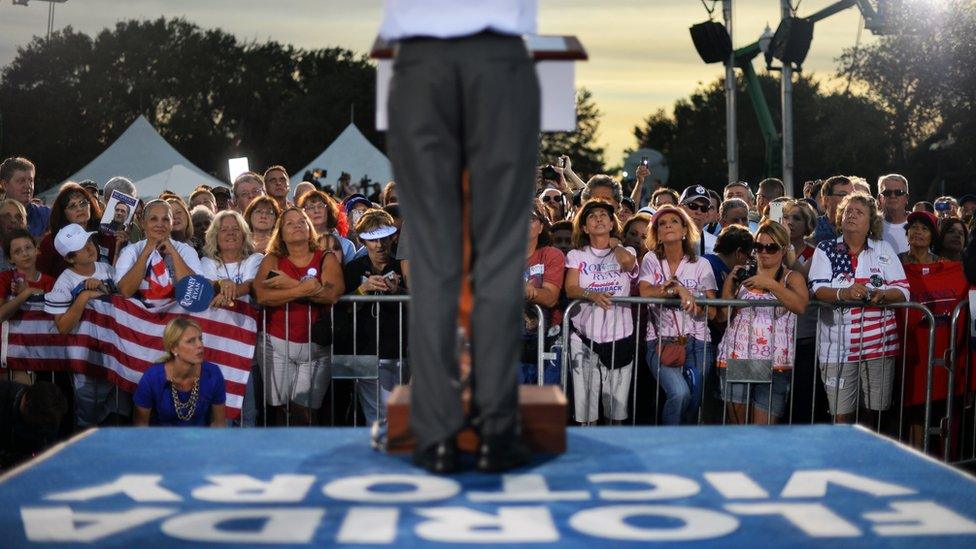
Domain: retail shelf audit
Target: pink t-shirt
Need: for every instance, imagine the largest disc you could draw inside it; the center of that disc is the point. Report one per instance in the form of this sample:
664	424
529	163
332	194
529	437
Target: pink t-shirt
697	277
599	272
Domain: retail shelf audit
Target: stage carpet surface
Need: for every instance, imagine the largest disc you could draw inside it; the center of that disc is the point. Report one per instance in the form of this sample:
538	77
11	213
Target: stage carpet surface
698	486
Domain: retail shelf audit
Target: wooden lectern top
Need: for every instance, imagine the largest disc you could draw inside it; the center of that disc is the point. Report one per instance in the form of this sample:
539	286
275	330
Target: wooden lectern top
543	48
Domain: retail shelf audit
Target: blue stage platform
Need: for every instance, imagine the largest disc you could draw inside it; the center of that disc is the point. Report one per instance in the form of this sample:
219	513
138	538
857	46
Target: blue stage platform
703	486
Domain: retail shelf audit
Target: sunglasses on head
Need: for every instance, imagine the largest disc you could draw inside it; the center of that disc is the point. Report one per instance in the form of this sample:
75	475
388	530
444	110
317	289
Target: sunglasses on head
892	193
698	206
770	248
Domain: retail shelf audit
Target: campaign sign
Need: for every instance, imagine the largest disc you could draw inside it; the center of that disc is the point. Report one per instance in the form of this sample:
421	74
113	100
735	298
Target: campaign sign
118	212
810	486
194	293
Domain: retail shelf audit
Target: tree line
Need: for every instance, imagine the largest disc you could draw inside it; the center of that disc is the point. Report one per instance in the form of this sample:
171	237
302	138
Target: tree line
63	100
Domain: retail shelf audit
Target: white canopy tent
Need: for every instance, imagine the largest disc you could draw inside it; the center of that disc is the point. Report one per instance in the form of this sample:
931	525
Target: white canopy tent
179	179
352	153
141	154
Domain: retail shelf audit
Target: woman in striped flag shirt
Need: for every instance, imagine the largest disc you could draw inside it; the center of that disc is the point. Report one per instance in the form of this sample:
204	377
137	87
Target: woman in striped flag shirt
858	345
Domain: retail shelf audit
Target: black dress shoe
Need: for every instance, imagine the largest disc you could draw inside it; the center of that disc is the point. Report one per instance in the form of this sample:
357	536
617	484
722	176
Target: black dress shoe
502	454
440	457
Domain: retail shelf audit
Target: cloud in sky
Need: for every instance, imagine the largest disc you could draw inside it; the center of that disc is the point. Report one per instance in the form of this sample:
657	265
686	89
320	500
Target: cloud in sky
641	55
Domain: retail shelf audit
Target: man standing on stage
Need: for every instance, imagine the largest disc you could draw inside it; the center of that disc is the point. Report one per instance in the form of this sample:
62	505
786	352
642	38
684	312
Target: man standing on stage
464	96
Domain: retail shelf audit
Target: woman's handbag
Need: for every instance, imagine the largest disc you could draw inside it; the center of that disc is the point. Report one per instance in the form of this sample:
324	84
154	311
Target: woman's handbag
673	348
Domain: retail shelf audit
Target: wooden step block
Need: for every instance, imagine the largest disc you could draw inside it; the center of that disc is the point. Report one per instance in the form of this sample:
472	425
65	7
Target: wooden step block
543	414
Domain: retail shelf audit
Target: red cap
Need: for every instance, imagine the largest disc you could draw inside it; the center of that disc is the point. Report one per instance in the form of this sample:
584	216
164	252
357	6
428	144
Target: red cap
927	218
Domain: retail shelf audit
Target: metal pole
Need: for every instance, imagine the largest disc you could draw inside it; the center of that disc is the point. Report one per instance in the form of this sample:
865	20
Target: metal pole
731	139
786	97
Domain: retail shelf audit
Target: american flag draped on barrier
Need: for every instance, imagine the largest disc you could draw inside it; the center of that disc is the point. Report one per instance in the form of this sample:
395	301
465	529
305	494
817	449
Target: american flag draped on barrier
119	339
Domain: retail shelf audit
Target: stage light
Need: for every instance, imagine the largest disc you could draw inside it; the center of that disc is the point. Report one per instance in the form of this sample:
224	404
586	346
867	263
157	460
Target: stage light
791	43
712	41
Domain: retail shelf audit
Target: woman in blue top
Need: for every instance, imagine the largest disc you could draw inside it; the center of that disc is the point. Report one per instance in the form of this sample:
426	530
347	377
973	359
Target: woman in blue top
182	390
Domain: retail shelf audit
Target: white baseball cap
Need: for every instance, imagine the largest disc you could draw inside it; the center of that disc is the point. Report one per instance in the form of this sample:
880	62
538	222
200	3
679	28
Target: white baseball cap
71	238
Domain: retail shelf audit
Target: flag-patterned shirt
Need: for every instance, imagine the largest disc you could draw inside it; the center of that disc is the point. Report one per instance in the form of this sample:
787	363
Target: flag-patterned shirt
859	333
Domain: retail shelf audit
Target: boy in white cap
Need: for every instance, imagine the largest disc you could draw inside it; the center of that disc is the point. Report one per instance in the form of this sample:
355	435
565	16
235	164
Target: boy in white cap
84	279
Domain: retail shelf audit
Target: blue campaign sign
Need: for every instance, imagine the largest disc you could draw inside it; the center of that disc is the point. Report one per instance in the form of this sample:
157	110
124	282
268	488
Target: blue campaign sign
704	486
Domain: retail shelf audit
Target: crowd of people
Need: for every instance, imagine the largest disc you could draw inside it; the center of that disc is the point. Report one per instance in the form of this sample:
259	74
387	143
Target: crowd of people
293	253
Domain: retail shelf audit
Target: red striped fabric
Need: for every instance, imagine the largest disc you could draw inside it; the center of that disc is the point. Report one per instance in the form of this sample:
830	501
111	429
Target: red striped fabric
119	339
157	284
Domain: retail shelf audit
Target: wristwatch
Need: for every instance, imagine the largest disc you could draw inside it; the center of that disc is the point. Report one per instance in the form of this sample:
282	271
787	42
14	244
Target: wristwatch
671	291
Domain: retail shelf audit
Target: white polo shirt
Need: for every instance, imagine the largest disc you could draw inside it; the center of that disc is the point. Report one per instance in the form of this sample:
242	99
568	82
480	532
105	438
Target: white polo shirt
457	18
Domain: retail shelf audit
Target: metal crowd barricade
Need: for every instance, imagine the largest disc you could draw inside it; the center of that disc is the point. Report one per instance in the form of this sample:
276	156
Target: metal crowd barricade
358	367
638	336
542	354
930	362
728	304
966	446
264	346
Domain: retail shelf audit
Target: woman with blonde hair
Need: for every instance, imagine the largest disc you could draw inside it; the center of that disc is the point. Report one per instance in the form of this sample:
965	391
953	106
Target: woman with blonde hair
182	222
858	345
678	342
182	389
635	233
230	260
800	219
296	282
759	343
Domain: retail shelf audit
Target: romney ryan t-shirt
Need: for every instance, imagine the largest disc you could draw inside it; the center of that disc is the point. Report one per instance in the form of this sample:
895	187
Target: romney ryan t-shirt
599	272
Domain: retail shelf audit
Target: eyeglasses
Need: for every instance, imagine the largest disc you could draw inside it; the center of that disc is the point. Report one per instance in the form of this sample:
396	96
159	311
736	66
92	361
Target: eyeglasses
550	198
892	193
264	212
698	206
76	205
770	248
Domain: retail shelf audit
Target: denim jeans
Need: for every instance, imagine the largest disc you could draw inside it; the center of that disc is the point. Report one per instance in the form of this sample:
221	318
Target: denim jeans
374	411
551	373
681	404
249	408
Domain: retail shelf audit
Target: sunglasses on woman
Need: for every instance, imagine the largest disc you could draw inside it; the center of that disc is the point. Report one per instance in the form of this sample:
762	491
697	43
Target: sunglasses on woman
770	248
550	198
